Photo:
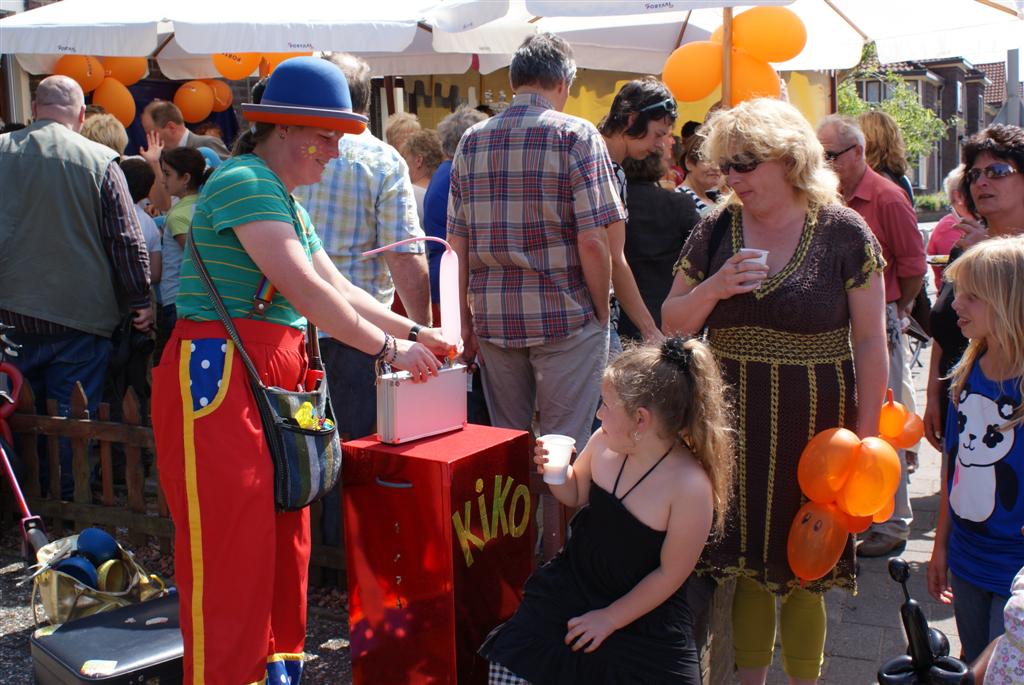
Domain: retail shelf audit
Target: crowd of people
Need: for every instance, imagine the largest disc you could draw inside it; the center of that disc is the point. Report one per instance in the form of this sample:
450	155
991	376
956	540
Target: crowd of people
715	300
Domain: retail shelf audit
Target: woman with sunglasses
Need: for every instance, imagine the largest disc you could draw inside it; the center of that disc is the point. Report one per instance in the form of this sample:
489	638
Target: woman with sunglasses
639	122
800	335
992	187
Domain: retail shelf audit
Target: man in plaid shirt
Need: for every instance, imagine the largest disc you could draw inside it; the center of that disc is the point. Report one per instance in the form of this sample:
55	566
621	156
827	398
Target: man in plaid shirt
532	195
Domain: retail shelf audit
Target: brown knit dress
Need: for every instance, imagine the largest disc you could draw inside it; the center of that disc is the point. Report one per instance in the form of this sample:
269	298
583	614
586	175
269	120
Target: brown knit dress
785	352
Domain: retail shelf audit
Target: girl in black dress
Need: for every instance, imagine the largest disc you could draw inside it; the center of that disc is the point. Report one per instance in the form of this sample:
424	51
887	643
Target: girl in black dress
651	484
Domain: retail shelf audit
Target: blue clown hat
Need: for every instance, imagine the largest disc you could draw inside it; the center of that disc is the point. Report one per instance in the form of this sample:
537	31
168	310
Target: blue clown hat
307	91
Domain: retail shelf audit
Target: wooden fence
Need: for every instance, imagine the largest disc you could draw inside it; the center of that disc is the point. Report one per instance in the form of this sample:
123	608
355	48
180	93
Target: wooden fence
137	506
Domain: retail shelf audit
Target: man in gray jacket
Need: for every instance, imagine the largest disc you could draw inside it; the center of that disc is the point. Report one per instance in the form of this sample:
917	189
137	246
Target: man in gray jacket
73	252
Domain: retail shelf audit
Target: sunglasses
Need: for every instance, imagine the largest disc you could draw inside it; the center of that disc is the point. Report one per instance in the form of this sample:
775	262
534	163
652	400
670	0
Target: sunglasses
833	156
997	170
742	166
668	104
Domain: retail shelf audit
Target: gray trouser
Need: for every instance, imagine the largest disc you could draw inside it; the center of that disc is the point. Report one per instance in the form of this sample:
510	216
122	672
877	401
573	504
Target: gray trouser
561	379
899	525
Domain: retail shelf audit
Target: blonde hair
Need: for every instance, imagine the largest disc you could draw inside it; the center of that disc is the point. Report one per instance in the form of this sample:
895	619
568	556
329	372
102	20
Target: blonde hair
770	129
427	144
105	129
680	383
400	126
883	145
993	271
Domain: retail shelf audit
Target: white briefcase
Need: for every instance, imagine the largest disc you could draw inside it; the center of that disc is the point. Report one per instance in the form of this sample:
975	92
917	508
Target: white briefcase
408	411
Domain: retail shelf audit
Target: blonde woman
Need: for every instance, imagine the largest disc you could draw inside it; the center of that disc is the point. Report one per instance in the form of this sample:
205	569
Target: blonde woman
978	544
422	152
884	149
801	339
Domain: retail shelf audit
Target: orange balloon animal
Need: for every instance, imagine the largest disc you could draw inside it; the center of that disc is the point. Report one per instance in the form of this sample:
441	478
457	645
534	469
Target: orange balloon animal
885	513
826	463
913	431
873	480
892	418
816	540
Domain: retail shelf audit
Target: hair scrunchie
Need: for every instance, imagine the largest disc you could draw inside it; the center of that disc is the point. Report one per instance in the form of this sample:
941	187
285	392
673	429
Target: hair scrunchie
674	351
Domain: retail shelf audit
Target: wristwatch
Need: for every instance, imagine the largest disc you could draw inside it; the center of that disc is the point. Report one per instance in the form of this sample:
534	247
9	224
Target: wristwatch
414	331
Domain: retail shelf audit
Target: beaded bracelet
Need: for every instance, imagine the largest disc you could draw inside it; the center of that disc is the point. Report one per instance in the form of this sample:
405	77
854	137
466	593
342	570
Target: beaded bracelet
384	349
394	350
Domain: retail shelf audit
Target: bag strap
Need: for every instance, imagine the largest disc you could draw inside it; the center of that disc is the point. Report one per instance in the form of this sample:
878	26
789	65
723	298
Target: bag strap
222	312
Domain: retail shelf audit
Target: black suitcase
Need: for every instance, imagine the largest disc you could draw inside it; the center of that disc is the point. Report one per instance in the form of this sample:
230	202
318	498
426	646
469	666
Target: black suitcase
138	645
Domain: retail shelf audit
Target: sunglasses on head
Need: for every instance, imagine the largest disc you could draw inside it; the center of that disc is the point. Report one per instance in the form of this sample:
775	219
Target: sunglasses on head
833	156
743	165
668	104
997	170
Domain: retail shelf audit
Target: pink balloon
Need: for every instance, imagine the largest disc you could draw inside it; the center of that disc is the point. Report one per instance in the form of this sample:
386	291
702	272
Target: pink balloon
451	319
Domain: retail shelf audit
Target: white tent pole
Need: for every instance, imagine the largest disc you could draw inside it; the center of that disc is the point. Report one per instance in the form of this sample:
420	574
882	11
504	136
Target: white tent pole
727	57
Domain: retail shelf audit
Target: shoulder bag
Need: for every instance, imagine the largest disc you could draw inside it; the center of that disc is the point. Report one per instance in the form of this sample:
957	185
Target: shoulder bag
306	454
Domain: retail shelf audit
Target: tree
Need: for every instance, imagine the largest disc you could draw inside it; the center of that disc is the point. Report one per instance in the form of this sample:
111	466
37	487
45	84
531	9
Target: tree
920	127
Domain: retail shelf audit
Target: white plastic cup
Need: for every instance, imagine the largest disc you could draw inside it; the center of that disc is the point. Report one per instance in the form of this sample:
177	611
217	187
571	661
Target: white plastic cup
756	257
559	448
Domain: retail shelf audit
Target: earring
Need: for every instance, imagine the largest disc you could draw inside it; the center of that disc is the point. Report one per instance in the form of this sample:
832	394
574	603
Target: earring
281	136
636	436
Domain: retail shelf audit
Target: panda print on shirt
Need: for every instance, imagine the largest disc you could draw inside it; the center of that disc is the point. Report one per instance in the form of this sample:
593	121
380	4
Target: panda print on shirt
980	476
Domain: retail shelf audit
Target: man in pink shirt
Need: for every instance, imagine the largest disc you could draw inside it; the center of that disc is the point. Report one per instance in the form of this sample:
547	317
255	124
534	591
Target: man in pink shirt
888	212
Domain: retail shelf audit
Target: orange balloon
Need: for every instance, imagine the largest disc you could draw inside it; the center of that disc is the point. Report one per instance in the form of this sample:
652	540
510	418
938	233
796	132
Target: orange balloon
872	481
236	65
717	35
275	58
694	70
114	97
87	71
195	100
892	418
885	513
913	431
816	540
222	95
127	70
752	78
770	34
826	462
858	524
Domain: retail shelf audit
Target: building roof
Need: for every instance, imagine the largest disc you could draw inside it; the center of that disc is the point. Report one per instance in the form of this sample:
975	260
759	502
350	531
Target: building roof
995	91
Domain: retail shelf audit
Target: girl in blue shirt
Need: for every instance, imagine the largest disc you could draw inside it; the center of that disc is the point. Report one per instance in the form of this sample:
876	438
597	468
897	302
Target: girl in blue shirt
978	542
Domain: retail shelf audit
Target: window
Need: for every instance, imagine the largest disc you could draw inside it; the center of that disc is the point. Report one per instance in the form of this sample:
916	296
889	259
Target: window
959	97
872	91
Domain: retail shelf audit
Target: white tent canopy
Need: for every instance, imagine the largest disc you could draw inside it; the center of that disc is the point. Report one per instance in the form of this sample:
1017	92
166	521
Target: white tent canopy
438	36
182	34
979	30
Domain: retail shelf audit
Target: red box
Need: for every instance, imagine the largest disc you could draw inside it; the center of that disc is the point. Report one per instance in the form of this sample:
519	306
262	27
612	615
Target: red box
439	538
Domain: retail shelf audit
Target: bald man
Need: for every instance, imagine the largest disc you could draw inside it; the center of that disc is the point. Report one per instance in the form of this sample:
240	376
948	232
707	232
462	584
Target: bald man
74	258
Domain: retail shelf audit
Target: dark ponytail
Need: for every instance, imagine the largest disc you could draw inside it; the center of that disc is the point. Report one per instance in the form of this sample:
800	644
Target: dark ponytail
252	137
185	160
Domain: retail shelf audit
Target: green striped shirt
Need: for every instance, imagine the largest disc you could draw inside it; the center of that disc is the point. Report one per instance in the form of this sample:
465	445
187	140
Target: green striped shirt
242	190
